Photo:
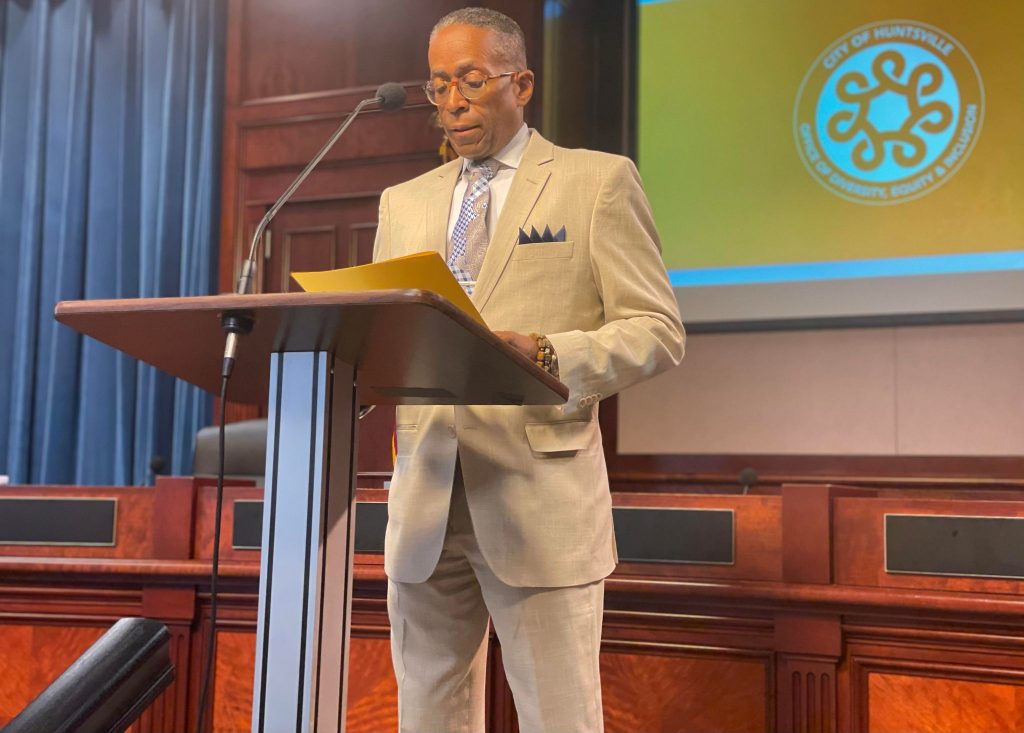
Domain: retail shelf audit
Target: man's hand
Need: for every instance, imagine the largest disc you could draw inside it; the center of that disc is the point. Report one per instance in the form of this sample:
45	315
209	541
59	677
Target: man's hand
525	345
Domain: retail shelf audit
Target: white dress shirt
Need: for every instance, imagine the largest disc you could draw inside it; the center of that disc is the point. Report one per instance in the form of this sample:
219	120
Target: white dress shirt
509	157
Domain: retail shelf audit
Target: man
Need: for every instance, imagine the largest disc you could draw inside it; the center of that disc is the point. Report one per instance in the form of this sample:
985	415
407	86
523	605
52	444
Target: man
505	512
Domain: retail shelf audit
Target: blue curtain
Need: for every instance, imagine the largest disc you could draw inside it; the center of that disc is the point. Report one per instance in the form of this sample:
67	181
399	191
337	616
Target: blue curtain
109	177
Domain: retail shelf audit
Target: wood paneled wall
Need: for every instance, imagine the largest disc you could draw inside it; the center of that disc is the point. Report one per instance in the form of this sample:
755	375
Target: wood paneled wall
804	632
293	71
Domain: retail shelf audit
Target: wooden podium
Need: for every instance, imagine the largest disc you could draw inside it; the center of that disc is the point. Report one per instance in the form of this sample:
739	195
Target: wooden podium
316	357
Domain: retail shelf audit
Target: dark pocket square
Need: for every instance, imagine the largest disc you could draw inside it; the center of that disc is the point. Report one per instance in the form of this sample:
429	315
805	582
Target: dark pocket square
534	237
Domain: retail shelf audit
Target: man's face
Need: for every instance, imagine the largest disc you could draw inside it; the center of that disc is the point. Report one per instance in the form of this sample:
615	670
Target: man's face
477	128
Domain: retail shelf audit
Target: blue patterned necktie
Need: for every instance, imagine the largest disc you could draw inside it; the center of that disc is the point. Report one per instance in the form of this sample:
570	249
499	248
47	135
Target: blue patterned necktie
470	237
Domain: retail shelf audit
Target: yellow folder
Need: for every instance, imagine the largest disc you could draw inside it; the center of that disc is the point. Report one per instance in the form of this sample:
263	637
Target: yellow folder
420	271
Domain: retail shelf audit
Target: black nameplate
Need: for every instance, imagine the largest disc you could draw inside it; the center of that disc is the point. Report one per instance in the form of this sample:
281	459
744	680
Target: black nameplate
247	530
942	545
371	521
36	521
698	536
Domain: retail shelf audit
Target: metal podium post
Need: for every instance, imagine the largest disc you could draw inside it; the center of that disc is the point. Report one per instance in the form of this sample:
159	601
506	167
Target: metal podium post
308	526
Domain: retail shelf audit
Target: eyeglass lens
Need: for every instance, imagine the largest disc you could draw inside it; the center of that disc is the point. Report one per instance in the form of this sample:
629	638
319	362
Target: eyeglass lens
470	86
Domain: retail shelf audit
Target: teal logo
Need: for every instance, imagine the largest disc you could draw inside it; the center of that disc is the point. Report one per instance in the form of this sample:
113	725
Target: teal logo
889	112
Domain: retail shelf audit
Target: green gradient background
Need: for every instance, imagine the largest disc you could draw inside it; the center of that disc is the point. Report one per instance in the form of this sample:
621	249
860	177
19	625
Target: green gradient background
718	81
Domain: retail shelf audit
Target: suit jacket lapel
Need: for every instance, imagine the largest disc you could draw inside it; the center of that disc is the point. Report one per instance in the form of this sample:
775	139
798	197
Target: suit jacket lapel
438	201
526	188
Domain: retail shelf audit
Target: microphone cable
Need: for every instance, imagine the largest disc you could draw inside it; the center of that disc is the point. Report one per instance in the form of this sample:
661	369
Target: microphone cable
211	635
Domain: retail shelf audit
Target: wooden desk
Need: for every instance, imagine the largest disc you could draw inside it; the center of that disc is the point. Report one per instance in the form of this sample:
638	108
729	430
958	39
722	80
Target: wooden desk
803	631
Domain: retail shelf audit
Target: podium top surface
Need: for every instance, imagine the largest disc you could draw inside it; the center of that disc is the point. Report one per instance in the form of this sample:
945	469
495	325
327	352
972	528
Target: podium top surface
408	346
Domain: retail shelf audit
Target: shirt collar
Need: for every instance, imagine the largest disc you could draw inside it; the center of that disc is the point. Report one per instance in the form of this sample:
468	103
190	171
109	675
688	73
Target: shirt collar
511	155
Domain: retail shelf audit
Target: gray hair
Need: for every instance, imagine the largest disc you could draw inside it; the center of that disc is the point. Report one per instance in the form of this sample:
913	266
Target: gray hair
511	39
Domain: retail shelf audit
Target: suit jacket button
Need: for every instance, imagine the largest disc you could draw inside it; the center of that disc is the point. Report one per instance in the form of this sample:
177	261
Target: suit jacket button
451	431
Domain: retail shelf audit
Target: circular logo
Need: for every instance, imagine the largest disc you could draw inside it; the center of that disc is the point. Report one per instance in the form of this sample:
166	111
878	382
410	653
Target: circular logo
889	112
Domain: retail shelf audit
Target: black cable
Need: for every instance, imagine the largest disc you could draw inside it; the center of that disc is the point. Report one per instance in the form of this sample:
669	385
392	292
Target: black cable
211	638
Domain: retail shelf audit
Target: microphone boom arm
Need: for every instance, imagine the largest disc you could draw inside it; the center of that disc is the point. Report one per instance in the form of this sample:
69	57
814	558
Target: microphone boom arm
245	277
238	323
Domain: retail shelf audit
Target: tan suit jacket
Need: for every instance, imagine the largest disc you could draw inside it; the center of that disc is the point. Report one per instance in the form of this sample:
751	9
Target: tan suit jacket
535	477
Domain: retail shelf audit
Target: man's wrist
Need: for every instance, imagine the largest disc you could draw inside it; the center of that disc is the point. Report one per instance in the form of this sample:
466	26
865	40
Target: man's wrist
546	357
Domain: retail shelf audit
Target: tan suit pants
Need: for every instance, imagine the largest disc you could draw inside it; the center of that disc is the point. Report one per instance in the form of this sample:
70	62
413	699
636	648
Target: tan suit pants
550	643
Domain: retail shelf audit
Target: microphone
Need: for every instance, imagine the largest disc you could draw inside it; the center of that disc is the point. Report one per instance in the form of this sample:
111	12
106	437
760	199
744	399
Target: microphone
389	96
747	477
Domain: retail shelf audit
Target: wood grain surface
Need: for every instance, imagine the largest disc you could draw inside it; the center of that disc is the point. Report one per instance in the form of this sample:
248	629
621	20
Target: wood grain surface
33	656
653	691
682	650
397	339
233	680
901	703
372	690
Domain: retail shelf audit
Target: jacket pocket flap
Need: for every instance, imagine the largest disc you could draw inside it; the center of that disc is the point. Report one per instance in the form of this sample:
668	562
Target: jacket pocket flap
558	437
542	251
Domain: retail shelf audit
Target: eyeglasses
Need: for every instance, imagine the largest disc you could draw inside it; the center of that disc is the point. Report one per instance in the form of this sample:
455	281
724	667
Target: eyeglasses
470	86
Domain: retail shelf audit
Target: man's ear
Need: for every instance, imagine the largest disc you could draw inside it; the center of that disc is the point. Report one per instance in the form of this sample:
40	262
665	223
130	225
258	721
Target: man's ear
524	87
